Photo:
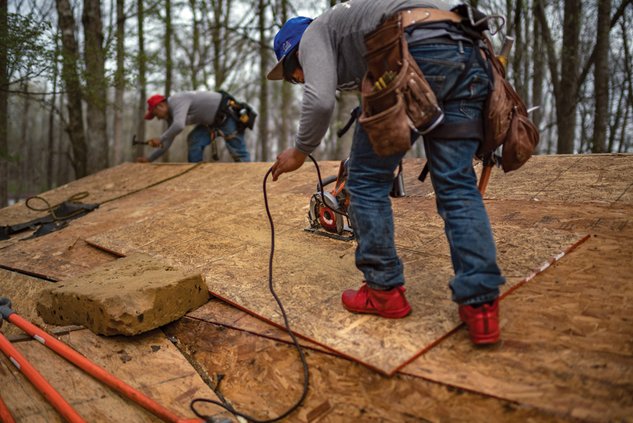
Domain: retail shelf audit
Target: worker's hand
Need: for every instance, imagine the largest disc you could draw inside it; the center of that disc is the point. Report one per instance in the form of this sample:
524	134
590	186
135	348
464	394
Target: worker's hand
142	160
288	161
154	142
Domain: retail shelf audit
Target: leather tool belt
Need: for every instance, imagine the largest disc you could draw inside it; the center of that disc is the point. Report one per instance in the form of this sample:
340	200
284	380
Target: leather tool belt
396	98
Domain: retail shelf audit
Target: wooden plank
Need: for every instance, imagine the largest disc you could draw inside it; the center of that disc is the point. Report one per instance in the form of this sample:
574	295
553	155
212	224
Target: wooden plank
263	377
572	178
566	340
229	243
101	186
612	219
220	313
172	381
64	253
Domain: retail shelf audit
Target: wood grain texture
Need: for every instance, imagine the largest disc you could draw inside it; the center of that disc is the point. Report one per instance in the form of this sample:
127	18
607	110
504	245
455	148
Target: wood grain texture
566	340
263	377
566	351
171	381
101	186
229	242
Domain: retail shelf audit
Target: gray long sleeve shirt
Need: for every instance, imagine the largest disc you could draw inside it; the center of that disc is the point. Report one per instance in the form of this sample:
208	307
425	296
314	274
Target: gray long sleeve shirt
187	108
331	56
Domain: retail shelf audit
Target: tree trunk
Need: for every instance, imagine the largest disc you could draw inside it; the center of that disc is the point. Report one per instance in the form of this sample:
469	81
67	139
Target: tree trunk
75	126
140	123
566	102
517	51
169	64
195	49
538	71
50	157
284	140
263	83
119	82
623	133
4	106
95	94
616	118
217	40
601	77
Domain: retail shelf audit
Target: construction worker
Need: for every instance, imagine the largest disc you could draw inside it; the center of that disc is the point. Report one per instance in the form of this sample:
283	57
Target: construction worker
326	54
211	114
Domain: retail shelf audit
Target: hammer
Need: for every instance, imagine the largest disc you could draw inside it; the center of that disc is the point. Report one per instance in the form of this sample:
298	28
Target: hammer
135	142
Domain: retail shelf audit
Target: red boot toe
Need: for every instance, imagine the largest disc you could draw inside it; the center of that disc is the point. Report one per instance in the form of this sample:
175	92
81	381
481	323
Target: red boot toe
482	322
391	304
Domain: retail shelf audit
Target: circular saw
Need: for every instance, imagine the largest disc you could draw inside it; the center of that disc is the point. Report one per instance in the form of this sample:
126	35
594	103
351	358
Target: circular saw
328	209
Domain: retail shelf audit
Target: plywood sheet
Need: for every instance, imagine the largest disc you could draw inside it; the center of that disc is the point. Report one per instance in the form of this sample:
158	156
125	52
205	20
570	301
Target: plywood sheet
218	312
608	219
575	178
566	340
229	243
263	377
64	254
172	381
102	186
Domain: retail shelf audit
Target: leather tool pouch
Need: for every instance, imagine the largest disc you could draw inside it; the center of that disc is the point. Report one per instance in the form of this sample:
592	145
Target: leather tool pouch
396	98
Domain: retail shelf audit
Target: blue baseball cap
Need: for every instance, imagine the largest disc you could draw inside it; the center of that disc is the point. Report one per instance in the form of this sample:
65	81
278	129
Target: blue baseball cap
286	40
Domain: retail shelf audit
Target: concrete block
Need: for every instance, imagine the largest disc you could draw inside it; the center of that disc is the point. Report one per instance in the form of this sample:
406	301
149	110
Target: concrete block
128	296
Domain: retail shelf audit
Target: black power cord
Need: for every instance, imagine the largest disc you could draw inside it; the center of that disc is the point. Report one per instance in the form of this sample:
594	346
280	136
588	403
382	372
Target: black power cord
306	374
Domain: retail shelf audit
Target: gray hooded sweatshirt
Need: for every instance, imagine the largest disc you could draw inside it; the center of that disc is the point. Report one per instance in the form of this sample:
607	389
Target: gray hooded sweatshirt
331	56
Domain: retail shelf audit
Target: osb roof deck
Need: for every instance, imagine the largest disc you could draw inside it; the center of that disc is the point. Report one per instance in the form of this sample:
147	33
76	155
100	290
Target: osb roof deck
564	237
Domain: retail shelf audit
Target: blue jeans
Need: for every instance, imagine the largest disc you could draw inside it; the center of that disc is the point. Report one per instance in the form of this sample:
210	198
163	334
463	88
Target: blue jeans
199	138
477	277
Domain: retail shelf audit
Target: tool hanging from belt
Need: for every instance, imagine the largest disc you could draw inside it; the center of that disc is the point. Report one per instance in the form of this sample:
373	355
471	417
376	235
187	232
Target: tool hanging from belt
214	133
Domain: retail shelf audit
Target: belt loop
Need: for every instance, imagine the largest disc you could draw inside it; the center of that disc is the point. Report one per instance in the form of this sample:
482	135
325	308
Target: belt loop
461	46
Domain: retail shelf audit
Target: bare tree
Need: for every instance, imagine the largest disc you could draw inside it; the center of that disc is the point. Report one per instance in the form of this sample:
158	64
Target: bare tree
70	75
601	77
95	92
263	83
520	45
564	82
538	69
4	105
142	83
50	157
169	64
283	140
119	81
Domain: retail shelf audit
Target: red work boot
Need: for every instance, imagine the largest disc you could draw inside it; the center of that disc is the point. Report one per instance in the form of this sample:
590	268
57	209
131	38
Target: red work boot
482	322
390	304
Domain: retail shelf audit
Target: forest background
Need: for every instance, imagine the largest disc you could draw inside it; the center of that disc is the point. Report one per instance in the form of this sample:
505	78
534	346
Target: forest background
75	76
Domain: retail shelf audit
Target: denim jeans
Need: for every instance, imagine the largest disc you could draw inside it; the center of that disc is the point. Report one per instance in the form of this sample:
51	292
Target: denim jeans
476	275
199	138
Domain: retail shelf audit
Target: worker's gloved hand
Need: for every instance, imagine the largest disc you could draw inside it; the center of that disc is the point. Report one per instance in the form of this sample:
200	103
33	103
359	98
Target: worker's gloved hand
154	142
288	161
142	160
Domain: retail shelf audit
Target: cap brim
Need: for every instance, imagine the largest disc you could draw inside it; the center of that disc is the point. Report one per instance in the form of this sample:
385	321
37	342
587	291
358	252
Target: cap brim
149	115
277	72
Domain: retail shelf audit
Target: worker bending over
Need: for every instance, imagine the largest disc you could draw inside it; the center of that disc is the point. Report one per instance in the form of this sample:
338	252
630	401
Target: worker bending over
328	53
213	113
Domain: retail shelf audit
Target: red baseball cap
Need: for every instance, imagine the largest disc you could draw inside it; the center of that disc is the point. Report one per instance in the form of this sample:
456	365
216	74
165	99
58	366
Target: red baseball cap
152	102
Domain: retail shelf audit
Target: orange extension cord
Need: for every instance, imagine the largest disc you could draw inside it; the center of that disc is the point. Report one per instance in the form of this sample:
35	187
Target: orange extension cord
83	363
5	414
52	396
